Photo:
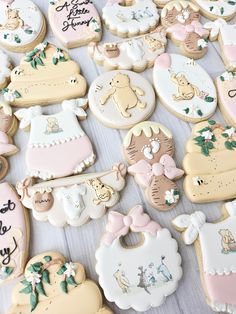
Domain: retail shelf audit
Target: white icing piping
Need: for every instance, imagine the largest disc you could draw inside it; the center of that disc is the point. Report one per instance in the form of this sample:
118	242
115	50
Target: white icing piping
223	307
221	271
57	142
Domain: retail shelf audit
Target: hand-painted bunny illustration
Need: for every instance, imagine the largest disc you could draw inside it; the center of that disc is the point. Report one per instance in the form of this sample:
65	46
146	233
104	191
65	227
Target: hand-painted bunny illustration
143	280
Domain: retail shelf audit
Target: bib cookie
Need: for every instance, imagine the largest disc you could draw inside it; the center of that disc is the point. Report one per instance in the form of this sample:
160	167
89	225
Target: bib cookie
215	247
57	145
130	18
210	163
22	25
182	21
45	75
138	277
5	69
184	87
51	285
75	23
148	148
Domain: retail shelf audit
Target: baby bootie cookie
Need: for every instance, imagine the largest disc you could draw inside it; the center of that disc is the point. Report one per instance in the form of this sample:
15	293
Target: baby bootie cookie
5	69
148	148
141	276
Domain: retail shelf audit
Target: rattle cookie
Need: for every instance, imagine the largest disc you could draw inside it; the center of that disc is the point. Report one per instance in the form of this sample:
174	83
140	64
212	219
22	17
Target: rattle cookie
141	276
5	69
148	148
51	284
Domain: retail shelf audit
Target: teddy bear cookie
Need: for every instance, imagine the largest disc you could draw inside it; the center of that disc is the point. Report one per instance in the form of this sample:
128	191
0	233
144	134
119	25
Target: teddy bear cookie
22	25
74	23
51	284
5	69
14	234
135	54
45	75
182	21
73	200
141	276
215	245
121	99
184	87
128	18
148	148
208	177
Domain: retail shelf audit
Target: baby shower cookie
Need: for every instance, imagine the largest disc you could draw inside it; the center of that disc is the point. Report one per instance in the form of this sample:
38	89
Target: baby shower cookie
5	69
51	285
73	200
184	87
210	163
22	25
121	99
45	75
74	23
182	21
128	18
8	122
7	149
161	3
141	276
149	148
135	54
215	245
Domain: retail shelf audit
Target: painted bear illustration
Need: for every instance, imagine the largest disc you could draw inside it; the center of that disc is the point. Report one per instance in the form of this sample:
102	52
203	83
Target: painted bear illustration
122	281
186	90
227	240
13	20
103	191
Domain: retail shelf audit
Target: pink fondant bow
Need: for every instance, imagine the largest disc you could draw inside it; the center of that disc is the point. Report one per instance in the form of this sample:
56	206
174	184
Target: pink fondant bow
180	31
5	146
137	221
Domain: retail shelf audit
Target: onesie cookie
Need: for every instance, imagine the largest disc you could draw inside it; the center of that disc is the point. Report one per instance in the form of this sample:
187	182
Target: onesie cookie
5	69
215	245
73	200
210	163
182	21
22	25
57	146
51	284
74	23
142	276
149	148
184	87
7	149
121	99
135	54
126	18
46	75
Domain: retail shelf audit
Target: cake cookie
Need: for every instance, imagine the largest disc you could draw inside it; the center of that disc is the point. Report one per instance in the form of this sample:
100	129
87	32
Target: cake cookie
8	122
184	87
135	54
182	21
121	99
6	149
126	18
14	234
74	23
215	245
208	177
5	68
51	284
149	148
73	200
22	25
141	276
45	75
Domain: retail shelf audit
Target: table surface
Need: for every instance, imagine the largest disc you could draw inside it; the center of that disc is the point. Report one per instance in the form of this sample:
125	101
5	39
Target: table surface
79	244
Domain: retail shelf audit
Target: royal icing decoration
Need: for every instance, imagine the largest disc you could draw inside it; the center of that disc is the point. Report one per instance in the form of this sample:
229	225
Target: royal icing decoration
137	277
184	87
149	148
5	69
6	149
75	23
7	120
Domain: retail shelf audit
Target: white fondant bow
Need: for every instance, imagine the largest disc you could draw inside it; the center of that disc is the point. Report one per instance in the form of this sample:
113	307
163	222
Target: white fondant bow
77	106
214	27
26	115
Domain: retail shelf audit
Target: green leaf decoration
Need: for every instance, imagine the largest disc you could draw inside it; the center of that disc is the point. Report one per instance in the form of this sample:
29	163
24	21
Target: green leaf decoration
176	192
17	94
64	286
61	270
45	276
222	10
231	2
9	270
199	139
222	78
35	268
62	59
209	99
24	282
233	144
205	150
213	139
40	289
39	61
37	265
33	64
42	55
47	258
209	145
33	300
28	31
211	8
211	122
17	40
28	59
186	110
54	61
228	145
199	112
98	30
27	290
224	135
71	281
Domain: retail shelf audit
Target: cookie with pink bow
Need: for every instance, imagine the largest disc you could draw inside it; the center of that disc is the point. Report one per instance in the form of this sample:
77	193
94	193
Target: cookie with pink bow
149	149
140	276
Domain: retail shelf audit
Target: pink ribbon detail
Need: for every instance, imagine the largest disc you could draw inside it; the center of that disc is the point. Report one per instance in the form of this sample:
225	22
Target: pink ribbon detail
5	146
180	31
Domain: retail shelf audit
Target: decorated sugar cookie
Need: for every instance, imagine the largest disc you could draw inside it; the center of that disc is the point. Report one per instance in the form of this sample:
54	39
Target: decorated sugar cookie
73	200
14	234
127	18
120	99
161	3
74	23
57	145
7	149
182	21
45	75
51	284
22	25
136	53
208	177
8	122
142	276
148	148
5	69
215	245
184	87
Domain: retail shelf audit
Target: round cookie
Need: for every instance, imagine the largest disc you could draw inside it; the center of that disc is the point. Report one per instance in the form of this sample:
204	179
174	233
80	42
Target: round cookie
5	69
